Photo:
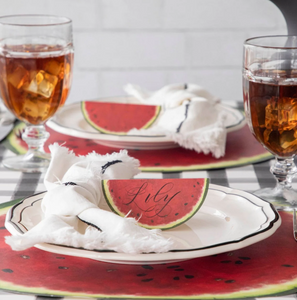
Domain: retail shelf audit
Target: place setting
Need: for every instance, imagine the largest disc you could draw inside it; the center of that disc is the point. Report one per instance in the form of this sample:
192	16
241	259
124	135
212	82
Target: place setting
103	227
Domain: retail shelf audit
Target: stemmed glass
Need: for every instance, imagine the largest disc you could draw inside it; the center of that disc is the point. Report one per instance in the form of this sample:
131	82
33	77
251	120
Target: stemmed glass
36	57
270	102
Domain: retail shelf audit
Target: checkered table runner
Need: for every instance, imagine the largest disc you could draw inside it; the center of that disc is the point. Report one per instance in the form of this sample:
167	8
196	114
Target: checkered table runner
16	185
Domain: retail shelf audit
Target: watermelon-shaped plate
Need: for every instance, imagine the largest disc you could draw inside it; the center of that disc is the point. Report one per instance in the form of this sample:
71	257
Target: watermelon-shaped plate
81	120
264	269
223	223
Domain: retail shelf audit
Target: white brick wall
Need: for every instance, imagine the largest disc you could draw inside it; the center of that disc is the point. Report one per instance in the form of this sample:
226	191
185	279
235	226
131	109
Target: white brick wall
157	42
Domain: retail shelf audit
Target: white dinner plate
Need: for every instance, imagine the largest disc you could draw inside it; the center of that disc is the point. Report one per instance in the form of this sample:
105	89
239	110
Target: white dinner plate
228	220
69	120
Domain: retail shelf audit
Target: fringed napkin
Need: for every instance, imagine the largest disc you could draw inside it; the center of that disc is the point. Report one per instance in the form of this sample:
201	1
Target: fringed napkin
190	116
72	216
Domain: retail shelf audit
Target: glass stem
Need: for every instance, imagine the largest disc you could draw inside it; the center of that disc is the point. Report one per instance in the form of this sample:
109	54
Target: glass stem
35	136
284	170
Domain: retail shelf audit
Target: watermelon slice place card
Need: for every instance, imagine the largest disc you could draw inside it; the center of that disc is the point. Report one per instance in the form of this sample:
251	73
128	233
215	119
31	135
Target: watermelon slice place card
156	203
119	118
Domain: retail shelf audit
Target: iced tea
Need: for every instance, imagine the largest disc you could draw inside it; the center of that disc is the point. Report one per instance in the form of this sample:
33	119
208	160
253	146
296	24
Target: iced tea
34	80
270	101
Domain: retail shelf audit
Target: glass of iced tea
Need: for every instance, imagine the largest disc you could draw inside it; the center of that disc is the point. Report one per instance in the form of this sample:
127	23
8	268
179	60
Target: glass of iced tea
36	57
270	102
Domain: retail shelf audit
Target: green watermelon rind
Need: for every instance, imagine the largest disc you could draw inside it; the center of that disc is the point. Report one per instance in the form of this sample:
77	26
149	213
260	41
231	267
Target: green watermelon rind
280	289
176	223
102	130
11	141
217	165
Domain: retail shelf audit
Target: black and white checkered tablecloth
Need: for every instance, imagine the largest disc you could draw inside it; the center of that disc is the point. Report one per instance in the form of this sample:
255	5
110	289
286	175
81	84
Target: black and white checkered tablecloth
15	185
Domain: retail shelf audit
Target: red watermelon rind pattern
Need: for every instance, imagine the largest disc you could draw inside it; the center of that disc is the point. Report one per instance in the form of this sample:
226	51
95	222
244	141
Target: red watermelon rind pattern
204	182
15	145
279	289
148	124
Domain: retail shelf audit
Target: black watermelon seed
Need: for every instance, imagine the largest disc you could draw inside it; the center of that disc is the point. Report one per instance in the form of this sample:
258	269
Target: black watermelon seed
142	274
230	281
288	266
147	280
157	164
152	221
178	269
147	267
244	257
63	268
192	196
238	262
138	215
186	204
176	214
2	227
172	267
60	257
176	278
25	256
189	276
7	270
225	261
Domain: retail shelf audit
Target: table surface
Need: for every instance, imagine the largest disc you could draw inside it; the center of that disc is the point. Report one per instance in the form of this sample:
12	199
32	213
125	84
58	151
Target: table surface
15	185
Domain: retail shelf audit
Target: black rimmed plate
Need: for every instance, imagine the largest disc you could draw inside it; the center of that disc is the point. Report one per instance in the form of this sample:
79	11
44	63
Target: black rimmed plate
228	220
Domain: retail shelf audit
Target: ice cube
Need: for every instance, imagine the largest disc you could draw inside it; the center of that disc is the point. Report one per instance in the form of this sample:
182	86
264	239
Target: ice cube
288	114
42	83
271	116
266	135
18	77
53	67
35	109
287	139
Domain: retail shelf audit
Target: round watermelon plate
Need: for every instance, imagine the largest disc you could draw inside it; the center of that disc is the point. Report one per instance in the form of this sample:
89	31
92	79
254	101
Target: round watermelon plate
241	149
264	269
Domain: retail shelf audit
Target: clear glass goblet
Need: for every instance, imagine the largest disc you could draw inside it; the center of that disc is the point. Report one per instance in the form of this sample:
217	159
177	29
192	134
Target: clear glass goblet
36	58
270	102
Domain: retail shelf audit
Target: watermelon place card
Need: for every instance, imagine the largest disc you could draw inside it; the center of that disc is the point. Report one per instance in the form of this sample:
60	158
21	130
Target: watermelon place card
156	203
119	118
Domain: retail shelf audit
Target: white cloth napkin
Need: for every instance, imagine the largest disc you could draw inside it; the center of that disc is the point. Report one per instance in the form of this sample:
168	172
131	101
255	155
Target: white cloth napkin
190	116
71	213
